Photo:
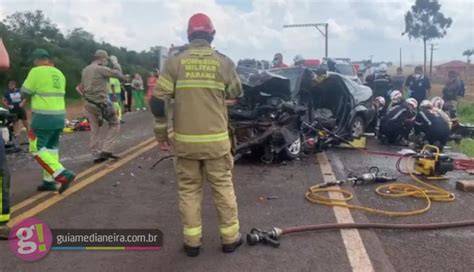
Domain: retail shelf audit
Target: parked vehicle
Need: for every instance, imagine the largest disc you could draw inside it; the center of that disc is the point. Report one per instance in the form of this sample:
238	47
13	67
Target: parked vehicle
279	106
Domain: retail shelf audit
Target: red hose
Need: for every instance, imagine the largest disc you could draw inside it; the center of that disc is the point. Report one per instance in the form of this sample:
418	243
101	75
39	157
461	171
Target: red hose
429	226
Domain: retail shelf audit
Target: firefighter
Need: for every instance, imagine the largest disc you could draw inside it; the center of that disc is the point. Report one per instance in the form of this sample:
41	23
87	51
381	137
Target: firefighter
438	104
397	123
382	83
98	106
378	106
298	61
4	173
432	124
200	80
396	98
45	85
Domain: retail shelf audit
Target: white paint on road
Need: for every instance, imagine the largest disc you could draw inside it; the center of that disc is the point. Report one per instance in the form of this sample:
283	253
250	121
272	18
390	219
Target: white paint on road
355	249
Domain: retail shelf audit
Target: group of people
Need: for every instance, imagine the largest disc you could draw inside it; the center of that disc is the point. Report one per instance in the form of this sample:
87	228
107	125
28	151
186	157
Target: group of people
201	144
415	120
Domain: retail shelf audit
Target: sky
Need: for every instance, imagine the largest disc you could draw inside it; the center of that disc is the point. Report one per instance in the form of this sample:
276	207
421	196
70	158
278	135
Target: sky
253	28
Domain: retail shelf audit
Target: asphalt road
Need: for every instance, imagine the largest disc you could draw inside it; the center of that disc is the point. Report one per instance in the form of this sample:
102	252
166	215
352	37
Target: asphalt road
133	196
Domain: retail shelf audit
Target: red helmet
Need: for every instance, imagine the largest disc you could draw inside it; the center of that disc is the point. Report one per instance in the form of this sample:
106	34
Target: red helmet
200	22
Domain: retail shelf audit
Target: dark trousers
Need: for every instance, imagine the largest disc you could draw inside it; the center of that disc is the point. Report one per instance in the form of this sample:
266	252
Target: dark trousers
4	186
128	106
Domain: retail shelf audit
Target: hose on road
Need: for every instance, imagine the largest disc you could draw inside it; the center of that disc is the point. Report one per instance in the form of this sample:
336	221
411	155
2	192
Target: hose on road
427	192
337	226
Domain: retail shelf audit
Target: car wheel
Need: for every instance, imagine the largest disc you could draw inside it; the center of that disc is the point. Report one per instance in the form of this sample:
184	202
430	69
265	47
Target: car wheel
357	127
293	151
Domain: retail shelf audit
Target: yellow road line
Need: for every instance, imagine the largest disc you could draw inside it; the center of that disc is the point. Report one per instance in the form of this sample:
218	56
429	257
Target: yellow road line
78	186
84	173
355	249
29	201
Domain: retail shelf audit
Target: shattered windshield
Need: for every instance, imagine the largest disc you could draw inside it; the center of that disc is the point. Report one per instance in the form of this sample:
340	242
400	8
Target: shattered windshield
293	74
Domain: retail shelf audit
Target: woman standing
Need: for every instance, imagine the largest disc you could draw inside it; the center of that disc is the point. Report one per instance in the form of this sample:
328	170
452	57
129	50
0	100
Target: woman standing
150	84
137	91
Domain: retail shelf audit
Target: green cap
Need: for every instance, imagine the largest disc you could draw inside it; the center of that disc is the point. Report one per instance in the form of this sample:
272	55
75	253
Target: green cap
39	53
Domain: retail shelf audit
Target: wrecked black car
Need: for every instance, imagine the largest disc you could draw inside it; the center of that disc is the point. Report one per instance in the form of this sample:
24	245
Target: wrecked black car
281	109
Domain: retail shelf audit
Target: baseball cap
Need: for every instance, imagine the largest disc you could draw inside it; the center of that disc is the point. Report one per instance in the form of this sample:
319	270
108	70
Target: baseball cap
39	53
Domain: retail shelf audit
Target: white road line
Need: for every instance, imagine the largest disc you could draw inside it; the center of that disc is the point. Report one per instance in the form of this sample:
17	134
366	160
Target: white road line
355	249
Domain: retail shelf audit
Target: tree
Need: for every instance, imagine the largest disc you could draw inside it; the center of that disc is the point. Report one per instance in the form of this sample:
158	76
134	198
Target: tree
22	32
33	25
425	21
468	54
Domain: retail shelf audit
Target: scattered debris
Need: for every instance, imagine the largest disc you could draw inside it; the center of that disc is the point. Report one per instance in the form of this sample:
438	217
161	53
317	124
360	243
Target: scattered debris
465	185
263	198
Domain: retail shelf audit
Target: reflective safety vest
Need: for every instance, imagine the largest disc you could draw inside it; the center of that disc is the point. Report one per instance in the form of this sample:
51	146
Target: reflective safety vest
46	85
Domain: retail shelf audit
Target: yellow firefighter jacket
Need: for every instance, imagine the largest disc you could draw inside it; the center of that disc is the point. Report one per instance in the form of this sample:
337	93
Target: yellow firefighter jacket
199	80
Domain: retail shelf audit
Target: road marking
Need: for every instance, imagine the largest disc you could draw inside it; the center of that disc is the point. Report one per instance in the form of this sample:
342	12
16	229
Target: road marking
84	173
80	185
355	249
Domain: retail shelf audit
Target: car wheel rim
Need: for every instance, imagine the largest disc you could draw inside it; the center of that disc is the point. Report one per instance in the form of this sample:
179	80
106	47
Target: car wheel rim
295	147
357	129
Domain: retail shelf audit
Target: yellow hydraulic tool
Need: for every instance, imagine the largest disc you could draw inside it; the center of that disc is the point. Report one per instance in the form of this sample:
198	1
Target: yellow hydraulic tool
431	162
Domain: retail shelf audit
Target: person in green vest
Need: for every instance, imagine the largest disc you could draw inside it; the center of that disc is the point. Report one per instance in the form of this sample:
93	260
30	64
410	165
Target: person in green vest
115	95
45	86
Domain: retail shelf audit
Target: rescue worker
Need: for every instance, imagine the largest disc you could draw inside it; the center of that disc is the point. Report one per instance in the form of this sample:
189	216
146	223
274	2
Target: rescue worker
298	61
438	104
397	123
396	98
369	72
382	83
4	173
434	127
278	61
200	80
98	106
379	106
45	85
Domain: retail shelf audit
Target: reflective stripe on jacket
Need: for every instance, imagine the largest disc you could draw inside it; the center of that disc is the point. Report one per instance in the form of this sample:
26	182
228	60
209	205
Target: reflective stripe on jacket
199	80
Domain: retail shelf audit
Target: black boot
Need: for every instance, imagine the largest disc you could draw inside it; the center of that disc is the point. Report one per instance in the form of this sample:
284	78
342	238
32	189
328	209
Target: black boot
191	251
229	248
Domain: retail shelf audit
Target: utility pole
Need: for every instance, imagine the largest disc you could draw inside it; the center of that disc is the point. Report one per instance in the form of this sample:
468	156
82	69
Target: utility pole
400	58
431	57
316	25
371	56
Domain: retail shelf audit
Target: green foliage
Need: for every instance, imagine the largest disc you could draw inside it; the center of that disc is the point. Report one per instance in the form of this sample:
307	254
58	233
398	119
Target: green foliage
22	32
466	112
425	21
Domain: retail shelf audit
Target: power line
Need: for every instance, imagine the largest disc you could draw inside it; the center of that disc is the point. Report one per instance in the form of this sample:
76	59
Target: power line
315	25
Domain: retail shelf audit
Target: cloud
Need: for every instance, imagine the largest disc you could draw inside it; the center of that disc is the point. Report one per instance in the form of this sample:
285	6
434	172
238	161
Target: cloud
357	29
